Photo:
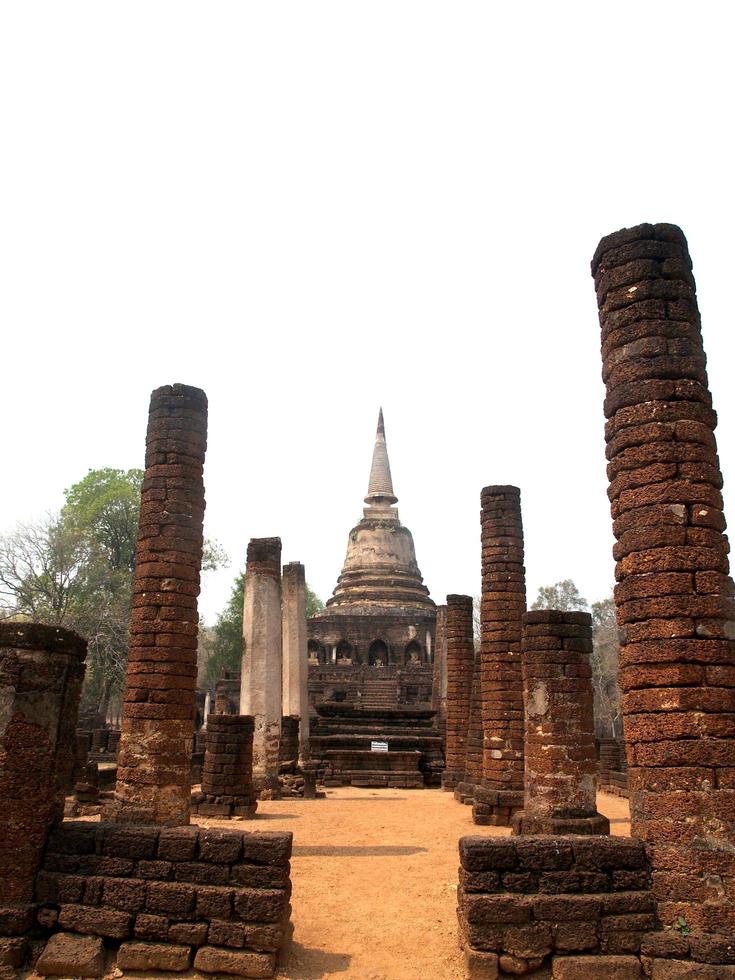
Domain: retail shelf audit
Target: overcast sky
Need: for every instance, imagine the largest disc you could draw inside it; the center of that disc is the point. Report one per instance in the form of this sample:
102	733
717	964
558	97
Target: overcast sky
312	209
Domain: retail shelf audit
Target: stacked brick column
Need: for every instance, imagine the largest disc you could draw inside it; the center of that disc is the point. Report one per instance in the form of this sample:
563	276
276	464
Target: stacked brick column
502	607
439	677
465	790
261	677
460	665
154	761
41	673
674	594
227	774
295	654
560	757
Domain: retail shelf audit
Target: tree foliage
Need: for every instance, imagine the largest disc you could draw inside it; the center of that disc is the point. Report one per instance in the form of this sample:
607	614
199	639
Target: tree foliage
562	595
75	569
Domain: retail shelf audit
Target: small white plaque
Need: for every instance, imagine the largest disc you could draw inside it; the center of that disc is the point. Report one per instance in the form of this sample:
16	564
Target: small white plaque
378	746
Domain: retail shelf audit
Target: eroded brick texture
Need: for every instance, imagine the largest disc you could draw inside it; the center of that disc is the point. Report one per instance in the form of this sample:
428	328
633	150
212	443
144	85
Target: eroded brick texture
41	673
531	903
227	773
673	593
217	898
460	667
560	781
465	790
503	603
154	760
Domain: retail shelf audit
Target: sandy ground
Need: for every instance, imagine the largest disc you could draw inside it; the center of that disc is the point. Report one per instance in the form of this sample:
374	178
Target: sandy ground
375	879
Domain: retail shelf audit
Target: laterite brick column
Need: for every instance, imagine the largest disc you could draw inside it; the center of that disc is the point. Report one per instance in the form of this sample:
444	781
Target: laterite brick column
439	677
41	673
460	665
674	594
157	729
503	604
227	774
465	790
295	653
560	757
260	684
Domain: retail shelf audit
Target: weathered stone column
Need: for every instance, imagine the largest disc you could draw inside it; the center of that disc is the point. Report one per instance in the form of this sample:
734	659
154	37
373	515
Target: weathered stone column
439	676
503	603
157	728
674	595
227	773
41	673
260	685
560	758
464	791
460	665
295	653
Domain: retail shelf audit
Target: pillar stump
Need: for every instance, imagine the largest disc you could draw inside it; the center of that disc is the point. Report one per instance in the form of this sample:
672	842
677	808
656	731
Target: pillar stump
157	731
295	653
673	593
502	605
460	665
560	758
41	673
260	690
227	773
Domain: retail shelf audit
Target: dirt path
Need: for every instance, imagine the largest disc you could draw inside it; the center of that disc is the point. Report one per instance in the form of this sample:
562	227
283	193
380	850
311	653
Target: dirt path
374	881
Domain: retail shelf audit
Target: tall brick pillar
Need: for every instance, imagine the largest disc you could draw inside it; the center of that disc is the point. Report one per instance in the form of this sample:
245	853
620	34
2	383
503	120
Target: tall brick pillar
41	673
295	654
439	676
674	595
559	752
503	604
465	790
460	665
260	690
157	731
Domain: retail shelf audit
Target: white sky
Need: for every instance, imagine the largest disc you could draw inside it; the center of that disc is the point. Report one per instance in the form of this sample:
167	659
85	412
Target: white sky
309	209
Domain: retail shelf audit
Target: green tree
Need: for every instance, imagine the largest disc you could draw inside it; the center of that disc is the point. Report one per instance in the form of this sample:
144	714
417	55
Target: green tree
562	595
604	662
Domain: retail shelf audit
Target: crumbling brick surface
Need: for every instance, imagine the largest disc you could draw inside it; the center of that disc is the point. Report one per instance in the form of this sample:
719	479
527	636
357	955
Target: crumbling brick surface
536	902
674	596
460	667
439	677
560	759
503	603
41	673
167	893
159	701
227	774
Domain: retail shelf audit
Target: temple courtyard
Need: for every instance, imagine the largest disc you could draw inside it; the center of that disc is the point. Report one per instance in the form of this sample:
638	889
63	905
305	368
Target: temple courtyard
374	877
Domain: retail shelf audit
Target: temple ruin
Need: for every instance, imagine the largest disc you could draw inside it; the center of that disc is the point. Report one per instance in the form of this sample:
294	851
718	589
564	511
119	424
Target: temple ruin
108	857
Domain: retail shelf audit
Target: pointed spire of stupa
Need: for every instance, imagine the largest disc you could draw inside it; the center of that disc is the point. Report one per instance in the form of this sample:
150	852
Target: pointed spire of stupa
380	488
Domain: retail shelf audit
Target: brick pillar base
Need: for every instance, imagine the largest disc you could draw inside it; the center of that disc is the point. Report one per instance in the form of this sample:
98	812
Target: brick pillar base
227	774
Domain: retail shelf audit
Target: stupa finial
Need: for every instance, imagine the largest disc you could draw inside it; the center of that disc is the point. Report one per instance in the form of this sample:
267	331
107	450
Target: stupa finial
380	487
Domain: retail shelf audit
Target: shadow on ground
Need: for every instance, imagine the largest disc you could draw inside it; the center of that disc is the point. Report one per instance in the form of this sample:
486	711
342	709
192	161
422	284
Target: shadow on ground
302	963
355	850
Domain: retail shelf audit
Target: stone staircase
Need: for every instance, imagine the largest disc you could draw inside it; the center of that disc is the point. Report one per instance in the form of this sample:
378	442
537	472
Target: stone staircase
379	694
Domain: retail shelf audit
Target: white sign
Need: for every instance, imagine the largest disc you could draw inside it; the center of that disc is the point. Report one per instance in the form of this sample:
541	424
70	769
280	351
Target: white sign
378	746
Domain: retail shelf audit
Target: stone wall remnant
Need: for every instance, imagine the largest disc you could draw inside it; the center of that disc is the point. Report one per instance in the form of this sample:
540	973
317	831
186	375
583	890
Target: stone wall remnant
674	593
41	673
157	728
560	759
295	654
460	667
503	604
261	676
